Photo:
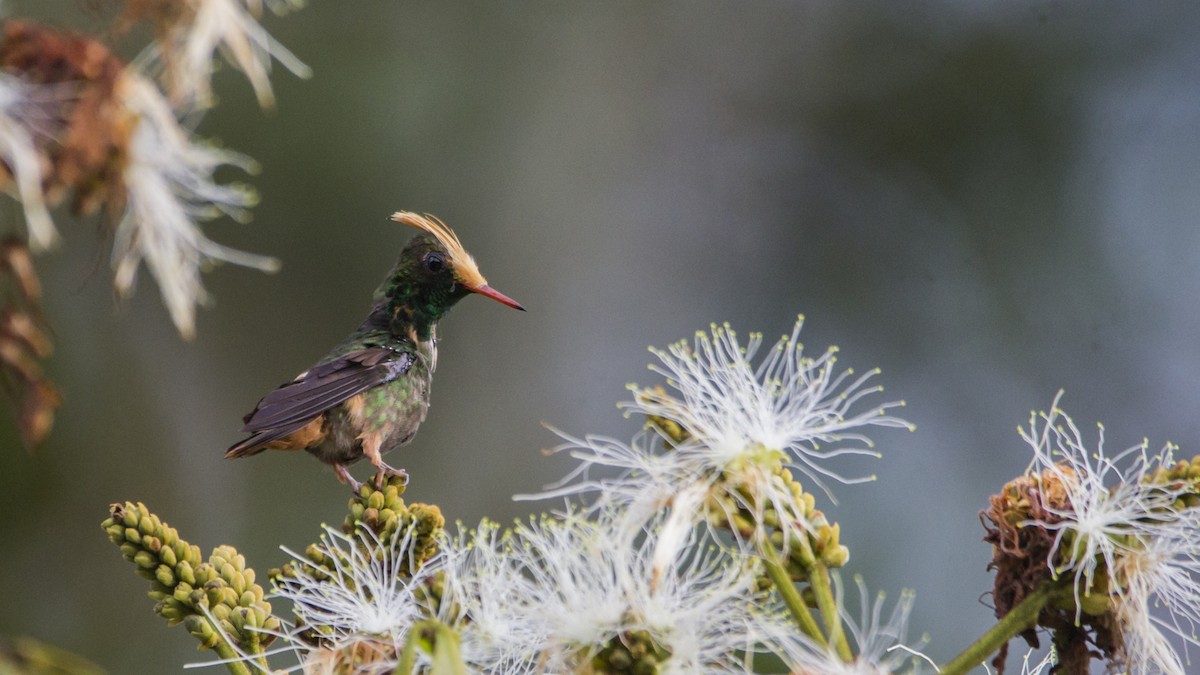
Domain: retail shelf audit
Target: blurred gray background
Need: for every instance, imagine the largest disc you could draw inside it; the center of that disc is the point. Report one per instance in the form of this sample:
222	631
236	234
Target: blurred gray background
990	201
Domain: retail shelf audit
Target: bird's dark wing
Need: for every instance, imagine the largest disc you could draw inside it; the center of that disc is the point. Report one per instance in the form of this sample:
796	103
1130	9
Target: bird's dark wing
322	387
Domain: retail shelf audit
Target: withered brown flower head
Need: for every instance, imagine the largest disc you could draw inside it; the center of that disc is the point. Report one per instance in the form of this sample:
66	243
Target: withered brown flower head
87	158
77	123
1022	549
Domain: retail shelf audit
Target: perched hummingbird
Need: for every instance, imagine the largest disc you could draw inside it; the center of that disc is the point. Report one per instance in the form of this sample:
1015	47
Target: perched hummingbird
371	392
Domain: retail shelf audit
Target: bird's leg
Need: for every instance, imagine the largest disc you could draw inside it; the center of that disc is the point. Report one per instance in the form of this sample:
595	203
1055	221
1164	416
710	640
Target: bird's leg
370	447
344	476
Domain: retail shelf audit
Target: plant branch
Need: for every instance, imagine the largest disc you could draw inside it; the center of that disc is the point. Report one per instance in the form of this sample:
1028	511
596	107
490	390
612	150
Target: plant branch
1018	619
787	591
818	578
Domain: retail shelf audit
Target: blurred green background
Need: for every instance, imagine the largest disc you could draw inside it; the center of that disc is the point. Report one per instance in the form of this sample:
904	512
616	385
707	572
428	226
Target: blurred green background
988	200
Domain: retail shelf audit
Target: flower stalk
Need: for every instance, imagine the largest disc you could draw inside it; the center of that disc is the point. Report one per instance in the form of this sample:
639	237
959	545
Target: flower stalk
440	642
1021	618
818	579
790	596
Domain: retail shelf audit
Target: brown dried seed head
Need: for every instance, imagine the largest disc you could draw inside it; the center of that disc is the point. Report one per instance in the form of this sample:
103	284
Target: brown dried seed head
91	150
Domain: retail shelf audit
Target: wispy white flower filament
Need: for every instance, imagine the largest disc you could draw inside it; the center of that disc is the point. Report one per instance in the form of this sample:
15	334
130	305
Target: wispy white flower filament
169	187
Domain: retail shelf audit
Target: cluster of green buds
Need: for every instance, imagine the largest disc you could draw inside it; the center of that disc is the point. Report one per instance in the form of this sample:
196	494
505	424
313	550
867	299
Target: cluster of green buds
386	514
801	531
631	653
191	590
671	430
1182	472
757	496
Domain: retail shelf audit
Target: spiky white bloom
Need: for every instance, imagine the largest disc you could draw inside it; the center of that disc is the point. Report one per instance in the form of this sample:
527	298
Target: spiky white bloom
879	644
369	591
21	159
681	482
1113	509
363	607
743	424
368	602
647	478
789	402
227	26
1162	576
169	187
481	595
587	581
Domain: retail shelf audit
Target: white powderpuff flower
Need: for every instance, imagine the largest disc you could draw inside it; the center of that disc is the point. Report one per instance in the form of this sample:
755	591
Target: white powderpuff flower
228	27
879	644
169	187
646	480
368	592
1113	511
788	402
585	582
742	425
22	160
362	607
1161	578
482	596
681	481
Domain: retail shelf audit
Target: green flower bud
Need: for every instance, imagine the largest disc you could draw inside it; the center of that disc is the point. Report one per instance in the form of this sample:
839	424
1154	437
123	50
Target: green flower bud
145	560
165	576
835	557
148	525
168	557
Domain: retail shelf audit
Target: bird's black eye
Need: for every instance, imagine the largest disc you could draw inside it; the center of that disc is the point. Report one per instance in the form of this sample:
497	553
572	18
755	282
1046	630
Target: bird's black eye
434	262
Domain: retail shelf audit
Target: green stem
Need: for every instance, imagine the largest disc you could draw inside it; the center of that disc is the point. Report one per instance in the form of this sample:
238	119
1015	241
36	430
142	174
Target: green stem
1018	619
818	578
234	660
440	641
787	591
408	657
226	652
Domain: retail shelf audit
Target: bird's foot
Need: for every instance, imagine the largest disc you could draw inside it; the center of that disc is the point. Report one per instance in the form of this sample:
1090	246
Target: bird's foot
385	471
344	476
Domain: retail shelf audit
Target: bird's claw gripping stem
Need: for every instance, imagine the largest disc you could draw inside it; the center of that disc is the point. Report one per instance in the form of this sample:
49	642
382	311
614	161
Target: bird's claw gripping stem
385	471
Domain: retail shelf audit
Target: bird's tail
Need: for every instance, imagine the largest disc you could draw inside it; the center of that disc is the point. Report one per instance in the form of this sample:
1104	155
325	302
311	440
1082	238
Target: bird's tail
250	446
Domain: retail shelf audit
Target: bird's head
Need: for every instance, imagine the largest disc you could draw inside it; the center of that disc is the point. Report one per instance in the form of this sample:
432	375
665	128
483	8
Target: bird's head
434	271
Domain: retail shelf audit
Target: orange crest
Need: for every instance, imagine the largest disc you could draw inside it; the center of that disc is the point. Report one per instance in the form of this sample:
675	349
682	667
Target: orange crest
465	269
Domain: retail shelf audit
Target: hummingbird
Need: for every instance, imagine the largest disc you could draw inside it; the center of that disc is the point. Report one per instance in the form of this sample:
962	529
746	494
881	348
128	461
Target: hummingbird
369	394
